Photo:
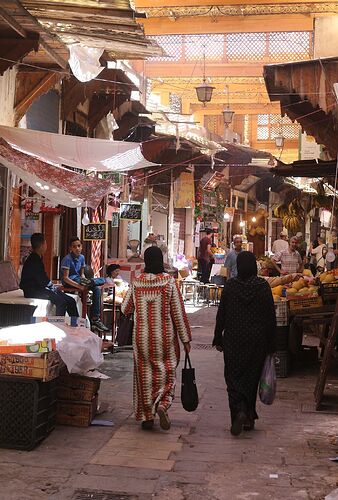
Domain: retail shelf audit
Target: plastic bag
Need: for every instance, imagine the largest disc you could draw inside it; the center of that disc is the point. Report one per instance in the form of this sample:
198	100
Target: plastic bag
268	382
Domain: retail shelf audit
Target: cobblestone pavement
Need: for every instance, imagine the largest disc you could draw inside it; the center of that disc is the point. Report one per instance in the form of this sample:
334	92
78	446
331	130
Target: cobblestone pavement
286	457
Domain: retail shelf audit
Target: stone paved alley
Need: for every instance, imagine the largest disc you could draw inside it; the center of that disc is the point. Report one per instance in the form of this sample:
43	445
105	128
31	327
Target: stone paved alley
286	457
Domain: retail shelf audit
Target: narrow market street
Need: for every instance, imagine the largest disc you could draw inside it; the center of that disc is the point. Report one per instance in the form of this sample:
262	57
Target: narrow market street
287	456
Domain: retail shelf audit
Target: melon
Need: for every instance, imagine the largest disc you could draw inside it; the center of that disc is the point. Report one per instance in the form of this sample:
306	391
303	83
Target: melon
277	290
322	276
329	279
299	284
291	291
307	272
303	290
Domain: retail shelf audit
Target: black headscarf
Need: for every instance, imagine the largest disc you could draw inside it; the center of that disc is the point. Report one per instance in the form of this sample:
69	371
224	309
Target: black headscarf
246	265
153	259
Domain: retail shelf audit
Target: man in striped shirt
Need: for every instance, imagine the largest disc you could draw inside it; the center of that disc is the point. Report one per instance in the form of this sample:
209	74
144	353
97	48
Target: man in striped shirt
290	260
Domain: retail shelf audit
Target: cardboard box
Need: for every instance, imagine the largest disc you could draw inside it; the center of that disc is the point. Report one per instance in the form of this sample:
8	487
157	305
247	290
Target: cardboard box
45	367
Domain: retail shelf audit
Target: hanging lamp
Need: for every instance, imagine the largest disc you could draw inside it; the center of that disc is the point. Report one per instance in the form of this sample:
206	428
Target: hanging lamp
227	112
204	91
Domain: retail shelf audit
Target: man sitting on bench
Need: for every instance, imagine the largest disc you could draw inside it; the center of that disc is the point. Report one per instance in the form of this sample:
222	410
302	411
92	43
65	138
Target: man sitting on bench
36	284
72	275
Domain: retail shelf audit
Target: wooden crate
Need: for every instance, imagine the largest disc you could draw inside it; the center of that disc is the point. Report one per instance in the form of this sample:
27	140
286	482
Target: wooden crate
77	388
45	366
76	413
305	303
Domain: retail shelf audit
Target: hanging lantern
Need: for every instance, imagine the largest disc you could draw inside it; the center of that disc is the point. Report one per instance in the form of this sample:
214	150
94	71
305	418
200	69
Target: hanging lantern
227	116
279	141
204	92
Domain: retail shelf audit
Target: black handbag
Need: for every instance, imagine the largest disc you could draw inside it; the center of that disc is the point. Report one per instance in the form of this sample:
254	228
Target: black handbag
125	331
189	394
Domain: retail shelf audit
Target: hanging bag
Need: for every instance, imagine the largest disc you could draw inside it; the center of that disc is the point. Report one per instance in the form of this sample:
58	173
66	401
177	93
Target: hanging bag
189	394
267	383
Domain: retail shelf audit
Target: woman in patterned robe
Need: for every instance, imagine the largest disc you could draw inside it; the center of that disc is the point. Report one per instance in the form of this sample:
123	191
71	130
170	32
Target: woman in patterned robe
245	332
160	321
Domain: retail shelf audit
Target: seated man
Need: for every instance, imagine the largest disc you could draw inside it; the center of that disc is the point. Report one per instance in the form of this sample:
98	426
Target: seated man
36	284
72	276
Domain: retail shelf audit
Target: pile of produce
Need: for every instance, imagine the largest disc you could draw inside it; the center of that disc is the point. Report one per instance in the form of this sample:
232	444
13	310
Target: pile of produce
304	287
307	286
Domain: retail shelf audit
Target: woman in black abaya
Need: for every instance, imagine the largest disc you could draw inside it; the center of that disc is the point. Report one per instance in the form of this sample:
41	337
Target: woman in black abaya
245	332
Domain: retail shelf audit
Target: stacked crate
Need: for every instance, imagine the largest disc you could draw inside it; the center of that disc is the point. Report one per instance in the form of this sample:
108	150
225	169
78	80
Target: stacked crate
282	361
27	398
77	400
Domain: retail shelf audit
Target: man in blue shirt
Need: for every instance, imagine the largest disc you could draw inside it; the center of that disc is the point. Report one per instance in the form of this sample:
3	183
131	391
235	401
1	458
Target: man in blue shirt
231	259
73	276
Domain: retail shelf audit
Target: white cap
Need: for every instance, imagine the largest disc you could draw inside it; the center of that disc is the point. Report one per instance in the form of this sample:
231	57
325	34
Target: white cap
299	234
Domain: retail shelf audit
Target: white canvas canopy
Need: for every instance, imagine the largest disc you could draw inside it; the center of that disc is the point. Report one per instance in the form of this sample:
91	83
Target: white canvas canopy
84	153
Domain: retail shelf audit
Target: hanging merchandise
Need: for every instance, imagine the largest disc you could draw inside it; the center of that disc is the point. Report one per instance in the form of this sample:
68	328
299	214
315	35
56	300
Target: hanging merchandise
85	219
51	209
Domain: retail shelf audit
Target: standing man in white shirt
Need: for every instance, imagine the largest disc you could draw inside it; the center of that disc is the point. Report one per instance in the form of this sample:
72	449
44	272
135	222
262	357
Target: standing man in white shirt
281	244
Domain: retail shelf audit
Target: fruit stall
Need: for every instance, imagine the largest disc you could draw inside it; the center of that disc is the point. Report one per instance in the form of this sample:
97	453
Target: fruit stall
303	306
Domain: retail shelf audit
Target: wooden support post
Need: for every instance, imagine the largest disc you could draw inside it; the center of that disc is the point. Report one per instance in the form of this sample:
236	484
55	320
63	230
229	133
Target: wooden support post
328	353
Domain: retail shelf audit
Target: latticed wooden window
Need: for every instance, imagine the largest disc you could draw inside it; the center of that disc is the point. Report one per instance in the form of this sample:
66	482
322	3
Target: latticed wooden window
212	45
172	46
270	126
267	47
246	46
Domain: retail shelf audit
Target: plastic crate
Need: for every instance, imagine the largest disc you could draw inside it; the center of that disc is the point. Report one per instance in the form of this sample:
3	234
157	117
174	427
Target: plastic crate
329	291
282	364
282	338
282	313
27	412
305	303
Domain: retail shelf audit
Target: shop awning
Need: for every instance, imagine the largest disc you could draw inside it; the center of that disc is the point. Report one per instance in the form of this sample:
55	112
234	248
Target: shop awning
306	93
59	185
84	153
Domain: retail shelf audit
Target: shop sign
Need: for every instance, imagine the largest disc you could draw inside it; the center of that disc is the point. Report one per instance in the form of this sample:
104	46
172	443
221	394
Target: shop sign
184	191
95	231
131	211
33	215
308	149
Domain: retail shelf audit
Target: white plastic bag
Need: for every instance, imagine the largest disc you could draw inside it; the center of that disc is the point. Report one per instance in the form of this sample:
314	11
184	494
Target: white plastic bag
268	381
80	349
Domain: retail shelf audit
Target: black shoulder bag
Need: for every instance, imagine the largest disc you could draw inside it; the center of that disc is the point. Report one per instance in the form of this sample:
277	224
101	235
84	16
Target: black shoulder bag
189	394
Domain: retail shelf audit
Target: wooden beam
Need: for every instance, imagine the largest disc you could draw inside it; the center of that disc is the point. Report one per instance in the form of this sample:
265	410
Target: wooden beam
46	38
11	21
203	24
13	50
47	82
63	63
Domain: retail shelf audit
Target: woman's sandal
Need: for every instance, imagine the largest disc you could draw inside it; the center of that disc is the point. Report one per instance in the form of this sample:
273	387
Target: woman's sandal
164	418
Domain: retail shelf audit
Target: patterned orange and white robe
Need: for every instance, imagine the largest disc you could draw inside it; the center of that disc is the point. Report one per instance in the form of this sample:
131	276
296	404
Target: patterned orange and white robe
160	321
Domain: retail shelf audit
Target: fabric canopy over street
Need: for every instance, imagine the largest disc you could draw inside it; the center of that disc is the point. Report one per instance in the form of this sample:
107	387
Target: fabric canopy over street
84	153
57	184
